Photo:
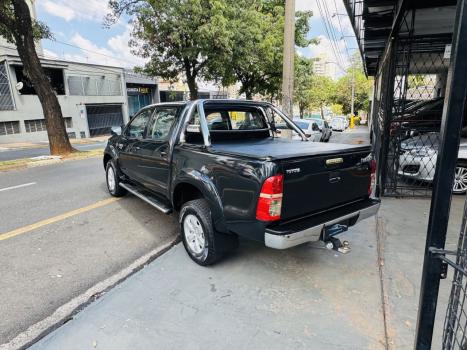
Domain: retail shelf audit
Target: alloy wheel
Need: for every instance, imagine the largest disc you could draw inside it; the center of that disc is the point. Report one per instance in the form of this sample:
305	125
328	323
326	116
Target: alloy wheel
460	180
194	234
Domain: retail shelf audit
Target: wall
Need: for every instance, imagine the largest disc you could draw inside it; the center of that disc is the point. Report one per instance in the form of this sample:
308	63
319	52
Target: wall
29	107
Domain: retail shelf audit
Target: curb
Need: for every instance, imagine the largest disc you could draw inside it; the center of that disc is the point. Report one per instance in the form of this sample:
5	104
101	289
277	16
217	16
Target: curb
66	312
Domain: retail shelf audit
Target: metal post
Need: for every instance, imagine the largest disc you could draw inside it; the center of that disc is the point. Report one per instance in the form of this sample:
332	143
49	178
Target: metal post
289	57
453	113
352	108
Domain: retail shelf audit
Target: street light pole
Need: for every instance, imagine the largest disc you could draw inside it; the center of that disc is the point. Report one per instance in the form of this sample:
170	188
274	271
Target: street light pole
352	108
289	57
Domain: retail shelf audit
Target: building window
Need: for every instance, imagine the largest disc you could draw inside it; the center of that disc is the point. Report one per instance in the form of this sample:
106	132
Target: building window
94	86
6	101
55	76
9	128
35	125
68	122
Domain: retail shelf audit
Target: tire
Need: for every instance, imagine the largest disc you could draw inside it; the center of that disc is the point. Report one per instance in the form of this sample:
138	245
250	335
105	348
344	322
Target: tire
203	244
460	179
112	172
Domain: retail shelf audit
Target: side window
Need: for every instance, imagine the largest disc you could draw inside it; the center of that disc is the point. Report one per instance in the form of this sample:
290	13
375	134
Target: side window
161	124
138	124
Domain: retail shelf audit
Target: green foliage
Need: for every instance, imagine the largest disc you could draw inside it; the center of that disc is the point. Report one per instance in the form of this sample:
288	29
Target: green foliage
416	81
179	37
343	88
321	92
222	40
303	83
8	30
337	109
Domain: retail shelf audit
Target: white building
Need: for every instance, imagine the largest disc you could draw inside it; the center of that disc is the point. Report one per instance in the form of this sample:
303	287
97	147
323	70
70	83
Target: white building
93	98
323	66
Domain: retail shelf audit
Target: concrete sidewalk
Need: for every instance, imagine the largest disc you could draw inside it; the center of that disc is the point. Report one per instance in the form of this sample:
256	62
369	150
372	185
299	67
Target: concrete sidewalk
302	298
45	143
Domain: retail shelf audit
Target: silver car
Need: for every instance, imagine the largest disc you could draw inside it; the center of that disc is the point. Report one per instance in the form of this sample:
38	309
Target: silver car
418	156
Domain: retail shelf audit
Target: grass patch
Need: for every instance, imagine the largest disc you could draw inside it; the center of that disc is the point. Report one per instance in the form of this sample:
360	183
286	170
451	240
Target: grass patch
22	163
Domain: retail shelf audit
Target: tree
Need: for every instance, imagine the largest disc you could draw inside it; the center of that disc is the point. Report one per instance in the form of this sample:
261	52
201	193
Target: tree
303	83
343	88
321	92
179	37
17	27
256	46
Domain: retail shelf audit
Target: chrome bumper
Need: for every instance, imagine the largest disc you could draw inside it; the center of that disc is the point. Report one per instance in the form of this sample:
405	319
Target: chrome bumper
313	234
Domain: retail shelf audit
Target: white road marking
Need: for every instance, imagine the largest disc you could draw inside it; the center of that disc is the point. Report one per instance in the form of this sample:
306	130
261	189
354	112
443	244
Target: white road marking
17	186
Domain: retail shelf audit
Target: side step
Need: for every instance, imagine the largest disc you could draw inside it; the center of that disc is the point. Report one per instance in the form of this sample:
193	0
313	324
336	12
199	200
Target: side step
147	197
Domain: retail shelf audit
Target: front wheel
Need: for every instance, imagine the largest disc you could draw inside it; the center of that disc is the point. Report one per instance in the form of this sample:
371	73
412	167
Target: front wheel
460	180
203	244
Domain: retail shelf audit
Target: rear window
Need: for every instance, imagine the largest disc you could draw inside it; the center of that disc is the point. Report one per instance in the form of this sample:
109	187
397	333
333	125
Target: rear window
302	125
234	120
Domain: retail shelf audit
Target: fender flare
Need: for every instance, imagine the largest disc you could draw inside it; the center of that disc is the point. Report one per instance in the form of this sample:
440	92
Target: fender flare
209	191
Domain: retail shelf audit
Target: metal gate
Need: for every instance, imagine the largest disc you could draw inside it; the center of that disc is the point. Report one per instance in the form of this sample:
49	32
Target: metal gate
408	107
101	118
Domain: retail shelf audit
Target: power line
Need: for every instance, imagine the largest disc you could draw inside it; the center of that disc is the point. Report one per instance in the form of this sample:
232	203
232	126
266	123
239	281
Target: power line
92	51
332	42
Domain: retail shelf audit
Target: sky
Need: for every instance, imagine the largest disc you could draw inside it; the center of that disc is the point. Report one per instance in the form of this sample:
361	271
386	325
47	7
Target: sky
80	35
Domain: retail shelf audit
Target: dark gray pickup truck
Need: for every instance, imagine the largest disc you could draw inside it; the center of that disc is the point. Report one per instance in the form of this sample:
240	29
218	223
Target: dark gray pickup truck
223	167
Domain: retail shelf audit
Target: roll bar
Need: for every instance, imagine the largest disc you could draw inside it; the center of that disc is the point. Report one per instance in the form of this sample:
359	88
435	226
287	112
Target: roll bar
199	106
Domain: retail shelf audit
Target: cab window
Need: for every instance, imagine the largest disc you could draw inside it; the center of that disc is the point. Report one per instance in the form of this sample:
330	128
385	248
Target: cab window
137	126
161	124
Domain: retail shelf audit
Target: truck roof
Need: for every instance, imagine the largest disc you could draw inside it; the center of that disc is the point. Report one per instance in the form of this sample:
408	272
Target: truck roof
213	102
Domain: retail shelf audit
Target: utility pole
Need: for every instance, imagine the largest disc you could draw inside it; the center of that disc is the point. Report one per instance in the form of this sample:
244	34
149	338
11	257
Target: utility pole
352	110
289	57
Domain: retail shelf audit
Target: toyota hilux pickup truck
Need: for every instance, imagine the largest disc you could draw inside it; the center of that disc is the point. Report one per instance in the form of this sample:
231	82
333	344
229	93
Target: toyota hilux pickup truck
224	169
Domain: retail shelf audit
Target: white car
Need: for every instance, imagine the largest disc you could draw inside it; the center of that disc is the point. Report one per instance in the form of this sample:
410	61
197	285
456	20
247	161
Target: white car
338	124
418	156
310	128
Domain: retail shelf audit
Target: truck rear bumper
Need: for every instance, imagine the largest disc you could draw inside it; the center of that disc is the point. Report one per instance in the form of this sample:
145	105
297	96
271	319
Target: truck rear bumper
293	233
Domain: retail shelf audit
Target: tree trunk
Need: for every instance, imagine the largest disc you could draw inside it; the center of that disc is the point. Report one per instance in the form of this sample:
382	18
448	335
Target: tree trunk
192	85
248	95
59	142
322	112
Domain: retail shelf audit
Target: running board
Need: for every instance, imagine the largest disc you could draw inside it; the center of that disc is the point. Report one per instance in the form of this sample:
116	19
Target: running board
148	198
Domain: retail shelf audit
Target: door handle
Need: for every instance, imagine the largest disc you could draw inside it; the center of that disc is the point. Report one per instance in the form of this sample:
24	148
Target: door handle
163	153
137	148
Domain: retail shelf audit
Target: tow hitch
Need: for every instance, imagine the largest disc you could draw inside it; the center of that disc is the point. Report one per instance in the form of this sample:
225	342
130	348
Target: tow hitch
334	243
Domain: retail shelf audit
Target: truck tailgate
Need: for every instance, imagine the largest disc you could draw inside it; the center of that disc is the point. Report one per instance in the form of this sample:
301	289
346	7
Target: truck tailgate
319	182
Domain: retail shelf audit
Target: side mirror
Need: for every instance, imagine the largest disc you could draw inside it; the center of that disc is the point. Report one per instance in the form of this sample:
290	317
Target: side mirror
116	130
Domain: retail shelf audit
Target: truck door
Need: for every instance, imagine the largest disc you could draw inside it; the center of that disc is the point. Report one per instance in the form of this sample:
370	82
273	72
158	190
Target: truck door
154	150
131	142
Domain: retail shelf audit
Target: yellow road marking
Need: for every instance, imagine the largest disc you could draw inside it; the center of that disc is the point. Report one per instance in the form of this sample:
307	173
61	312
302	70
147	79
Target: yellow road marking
28	228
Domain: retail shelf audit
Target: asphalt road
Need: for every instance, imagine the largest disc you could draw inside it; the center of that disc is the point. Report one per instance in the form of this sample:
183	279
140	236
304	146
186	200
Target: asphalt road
58	239
11	154
49	264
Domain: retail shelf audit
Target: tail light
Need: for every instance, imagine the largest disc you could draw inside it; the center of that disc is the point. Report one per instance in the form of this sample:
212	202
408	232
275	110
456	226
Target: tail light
270	199
372	176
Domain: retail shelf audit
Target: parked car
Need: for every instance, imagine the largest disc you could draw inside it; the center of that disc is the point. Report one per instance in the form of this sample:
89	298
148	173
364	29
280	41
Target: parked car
325	129
418	156
220	165
310	128
338	124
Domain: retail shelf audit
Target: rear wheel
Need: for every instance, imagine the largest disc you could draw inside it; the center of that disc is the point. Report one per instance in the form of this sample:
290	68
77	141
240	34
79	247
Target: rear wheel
203	244
460	180
113	180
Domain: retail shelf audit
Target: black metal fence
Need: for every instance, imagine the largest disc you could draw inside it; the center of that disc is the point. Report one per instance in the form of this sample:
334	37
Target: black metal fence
455	323
408	105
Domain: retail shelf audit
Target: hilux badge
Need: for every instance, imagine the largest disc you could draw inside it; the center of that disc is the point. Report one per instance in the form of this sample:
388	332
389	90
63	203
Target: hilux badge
293	171
334	161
